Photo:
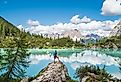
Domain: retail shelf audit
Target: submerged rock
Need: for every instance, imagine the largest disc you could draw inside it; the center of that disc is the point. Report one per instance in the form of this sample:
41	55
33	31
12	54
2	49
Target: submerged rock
54	72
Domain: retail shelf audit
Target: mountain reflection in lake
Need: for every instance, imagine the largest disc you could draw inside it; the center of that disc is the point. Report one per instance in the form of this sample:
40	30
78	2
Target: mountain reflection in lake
74	60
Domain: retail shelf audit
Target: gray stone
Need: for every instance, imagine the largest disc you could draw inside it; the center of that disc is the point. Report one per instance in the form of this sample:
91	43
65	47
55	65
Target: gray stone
24	80
116	30
54	72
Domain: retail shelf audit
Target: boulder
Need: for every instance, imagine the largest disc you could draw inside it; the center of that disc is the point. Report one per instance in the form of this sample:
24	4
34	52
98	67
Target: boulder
24	80
54	72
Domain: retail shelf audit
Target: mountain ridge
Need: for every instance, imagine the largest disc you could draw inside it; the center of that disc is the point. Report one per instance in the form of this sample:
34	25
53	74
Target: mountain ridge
116	31
7	28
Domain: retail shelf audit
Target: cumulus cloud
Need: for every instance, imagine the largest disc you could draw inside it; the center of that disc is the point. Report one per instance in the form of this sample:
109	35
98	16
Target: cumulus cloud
33	22
85	25
20	27
85	19
111	7
75	19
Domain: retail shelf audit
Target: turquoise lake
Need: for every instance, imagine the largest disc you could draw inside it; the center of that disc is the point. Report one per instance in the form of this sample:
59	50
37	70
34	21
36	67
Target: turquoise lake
74	58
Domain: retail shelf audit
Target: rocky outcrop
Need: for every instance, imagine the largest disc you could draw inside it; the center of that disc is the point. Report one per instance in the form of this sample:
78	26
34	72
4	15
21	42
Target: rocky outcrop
74	34
54	72
116	30
25	80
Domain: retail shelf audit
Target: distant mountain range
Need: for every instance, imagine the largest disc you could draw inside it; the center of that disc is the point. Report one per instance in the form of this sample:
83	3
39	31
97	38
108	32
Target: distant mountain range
90	38
93	36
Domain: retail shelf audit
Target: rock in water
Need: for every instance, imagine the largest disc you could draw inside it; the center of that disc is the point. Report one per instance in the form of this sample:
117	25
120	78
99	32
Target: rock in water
54	72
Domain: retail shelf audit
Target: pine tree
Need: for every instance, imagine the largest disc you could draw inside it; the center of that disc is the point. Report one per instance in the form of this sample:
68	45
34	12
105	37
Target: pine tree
15	61
93	74
0	57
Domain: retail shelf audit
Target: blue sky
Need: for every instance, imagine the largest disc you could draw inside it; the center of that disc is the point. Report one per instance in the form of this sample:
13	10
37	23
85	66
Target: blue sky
48	12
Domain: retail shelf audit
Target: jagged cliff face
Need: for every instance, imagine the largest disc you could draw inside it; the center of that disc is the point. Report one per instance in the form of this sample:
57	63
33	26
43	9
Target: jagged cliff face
54	72
73	34
116	30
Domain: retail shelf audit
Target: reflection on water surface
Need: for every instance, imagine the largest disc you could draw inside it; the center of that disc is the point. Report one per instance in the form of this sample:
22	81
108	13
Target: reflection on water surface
74	59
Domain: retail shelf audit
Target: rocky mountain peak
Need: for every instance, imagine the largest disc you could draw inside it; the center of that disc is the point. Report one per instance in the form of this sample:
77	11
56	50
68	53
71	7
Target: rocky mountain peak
116	31
54	72
119	23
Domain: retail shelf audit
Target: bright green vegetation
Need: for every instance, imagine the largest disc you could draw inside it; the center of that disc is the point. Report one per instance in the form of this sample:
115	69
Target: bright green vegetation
12	80
13	62
107	42
8	31
111	42
94	74
71	80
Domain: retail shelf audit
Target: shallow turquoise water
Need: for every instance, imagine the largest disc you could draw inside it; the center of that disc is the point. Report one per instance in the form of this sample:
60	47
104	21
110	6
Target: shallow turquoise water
74	58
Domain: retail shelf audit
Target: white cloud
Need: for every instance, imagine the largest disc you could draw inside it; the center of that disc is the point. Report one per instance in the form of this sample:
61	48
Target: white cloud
93	25
84	25
75	19
111	7
102	32
101	28
33	22
85	19
20	27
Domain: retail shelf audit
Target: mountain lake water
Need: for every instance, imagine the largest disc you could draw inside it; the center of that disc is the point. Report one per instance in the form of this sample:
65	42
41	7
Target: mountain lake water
74	58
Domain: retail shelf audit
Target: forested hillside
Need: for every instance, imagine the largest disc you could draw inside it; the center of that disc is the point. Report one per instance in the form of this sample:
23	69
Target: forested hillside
8	32
114	40
7	29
